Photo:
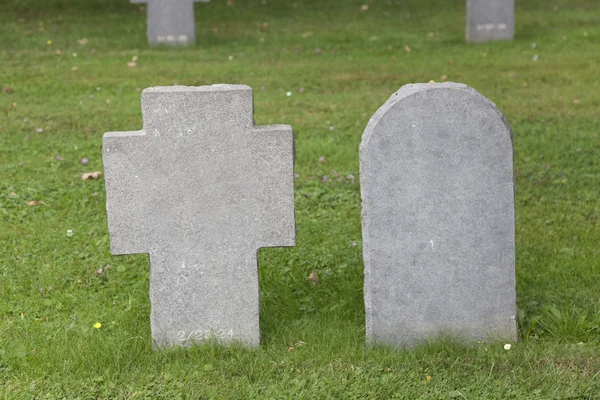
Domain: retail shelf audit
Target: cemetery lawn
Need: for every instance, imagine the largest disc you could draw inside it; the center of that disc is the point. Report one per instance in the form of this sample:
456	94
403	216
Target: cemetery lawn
74	320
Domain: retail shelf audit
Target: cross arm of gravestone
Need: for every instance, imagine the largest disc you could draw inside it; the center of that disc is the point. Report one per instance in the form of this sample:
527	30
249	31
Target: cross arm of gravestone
199	143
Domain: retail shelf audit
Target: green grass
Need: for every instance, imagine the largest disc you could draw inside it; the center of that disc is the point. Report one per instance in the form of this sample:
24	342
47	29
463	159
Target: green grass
51	294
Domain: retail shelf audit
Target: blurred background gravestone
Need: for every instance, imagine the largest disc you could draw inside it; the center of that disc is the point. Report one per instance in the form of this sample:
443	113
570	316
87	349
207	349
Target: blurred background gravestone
490	20
170	22
436	174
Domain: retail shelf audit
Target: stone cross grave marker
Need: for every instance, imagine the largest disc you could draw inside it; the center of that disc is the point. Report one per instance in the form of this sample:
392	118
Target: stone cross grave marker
171	22
200	189
490	20
436	175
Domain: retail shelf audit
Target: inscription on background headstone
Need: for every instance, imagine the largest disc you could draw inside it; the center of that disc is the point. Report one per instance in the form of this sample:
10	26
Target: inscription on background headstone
490	20
436	175
200	189
171	22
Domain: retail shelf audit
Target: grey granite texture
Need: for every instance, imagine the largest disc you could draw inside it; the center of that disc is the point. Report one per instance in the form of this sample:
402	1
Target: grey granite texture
490	20
171	22
436	175
201	189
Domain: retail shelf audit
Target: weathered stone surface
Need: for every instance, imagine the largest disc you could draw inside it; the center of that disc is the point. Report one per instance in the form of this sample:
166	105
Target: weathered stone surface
490	20
436	174
171	22
200	189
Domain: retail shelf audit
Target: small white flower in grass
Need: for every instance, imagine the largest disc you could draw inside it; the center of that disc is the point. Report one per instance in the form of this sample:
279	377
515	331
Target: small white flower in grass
535	57
507	346
230	58
69	232
288	94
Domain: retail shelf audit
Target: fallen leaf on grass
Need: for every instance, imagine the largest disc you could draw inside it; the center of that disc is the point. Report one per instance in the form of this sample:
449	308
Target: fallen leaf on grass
313	278
33	203
91	175
133	62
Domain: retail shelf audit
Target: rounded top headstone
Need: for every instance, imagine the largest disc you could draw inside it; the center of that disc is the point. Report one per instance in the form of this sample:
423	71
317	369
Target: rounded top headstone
419	93
436	181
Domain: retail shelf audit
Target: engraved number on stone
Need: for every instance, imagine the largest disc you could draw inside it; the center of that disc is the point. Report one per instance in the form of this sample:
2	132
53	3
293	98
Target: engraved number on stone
204	334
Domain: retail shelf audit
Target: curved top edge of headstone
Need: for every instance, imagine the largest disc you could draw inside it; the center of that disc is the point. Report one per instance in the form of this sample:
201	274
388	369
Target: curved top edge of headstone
409	90
207	88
